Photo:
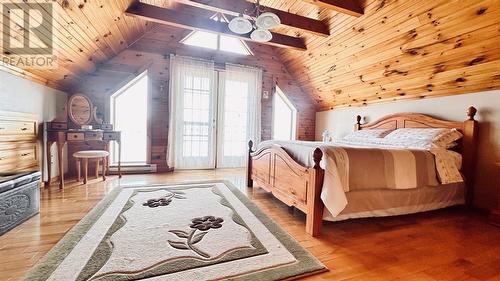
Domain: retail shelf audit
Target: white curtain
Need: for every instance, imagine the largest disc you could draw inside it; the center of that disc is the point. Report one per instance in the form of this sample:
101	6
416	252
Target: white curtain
239	114
192	113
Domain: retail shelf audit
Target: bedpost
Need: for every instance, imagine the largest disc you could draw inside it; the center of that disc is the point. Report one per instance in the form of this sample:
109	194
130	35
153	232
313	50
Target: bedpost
314	216
357	126
249	165
469	146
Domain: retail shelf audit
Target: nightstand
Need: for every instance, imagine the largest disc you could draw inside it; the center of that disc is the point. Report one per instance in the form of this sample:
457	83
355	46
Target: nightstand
495	213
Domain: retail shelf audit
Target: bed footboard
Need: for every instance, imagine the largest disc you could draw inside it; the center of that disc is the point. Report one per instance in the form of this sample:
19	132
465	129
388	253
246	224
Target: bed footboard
272	169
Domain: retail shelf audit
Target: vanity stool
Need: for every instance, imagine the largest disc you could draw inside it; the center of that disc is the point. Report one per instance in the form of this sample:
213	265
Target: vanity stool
90	155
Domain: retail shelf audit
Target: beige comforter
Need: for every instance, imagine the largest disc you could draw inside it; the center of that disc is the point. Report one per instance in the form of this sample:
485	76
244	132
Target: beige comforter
375	168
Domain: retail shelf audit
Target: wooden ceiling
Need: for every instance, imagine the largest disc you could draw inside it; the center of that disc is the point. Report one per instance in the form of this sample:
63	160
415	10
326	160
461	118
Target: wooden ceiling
398	50
86	33
376	50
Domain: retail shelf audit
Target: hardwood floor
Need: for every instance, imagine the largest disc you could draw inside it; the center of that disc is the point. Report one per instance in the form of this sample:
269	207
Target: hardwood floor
449	244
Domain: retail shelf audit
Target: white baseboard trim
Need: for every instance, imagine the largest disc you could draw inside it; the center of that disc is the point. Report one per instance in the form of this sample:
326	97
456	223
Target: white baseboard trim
148	168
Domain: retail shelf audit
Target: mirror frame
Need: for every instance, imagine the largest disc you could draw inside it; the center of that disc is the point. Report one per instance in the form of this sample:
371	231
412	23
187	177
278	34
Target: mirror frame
71	114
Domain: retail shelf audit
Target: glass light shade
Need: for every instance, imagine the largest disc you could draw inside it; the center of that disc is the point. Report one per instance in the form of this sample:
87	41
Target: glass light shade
267	21
261	35
240	25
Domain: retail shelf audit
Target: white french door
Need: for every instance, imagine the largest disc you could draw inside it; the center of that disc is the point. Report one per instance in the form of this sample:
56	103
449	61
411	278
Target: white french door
213	115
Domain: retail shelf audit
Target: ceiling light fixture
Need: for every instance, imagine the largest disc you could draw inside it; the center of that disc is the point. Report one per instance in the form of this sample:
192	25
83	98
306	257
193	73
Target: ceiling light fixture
240	25
267	20
261	35
263	21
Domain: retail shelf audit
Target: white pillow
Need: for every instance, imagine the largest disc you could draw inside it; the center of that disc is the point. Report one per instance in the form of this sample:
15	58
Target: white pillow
368	134
434	137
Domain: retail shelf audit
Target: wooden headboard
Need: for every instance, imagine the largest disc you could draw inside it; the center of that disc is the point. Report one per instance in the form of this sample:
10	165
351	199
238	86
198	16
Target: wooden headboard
18	142
467	147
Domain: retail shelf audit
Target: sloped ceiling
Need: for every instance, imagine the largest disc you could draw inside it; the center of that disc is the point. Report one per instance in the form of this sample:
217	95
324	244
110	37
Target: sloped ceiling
399	49
86	33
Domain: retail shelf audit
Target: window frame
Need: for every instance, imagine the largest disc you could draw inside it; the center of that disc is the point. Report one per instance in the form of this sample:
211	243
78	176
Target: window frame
278	93
112	105
220	18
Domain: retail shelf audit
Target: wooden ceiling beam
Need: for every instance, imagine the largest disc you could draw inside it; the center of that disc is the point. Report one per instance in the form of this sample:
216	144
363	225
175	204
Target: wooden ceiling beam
350	7
199	21
234	7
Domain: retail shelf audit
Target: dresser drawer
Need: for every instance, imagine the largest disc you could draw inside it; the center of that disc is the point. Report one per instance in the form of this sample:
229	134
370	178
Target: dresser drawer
75	136
93	136
107	127
23	155
57	125
111	136
17	128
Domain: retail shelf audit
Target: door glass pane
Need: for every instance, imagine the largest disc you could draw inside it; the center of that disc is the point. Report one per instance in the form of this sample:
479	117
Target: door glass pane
197	117
130	109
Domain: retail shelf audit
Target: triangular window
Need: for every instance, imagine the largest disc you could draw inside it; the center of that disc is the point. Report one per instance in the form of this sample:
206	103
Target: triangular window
216	41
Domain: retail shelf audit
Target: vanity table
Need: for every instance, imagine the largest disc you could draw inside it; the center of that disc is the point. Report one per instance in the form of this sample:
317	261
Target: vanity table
81	113
62	136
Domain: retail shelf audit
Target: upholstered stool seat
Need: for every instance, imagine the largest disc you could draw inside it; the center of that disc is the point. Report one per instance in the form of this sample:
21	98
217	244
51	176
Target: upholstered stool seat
85	156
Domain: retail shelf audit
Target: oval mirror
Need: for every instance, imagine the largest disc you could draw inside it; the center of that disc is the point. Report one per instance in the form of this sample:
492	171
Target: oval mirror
80	109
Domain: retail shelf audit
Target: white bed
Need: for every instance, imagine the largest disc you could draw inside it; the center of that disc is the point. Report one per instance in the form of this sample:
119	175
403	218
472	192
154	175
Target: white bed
375	178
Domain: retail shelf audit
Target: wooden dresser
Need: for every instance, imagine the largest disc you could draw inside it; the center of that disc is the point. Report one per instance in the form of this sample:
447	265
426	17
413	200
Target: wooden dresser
18	142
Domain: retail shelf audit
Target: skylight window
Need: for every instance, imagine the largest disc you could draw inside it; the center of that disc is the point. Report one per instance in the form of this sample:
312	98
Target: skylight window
215	41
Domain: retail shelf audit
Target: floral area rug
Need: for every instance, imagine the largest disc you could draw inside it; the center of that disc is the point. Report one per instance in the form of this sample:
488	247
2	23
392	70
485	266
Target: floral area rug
190	231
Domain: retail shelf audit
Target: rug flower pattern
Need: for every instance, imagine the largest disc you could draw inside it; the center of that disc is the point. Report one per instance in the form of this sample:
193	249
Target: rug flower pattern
202	224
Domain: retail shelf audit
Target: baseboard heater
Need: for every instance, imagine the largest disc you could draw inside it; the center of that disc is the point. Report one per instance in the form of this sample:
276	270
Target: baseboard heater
134	169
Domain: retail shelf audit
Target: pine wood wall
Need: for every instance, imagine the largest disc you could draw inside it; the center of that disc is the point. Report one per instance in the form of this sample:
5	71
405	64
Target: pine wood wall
399	49
151	53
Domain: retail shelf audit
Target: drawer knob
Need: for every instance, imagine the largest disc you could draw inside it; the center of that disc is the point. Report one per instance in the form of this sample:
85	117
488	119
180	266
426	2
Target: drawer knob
24	129
25	154
75	136
2	128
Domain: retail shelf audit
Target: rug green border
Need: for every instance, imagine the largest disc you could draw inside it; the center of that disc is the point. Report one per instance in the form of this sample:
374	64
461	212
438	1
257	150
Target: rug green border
306	264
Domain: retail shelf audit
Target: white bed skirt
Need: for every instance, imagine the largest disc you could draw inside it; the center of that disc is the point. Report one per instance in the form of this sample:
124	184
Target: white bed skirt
390	202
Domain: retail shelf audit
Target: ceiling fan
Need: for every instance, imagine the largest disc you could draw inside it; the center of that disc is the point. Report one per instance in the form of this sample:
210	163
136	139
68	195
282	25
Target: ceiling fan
259	28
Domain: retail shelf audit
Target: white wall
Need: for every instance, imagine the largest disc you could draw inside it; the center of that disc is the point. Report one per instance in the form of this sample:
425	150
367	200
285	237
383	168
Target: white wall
341	121
21	95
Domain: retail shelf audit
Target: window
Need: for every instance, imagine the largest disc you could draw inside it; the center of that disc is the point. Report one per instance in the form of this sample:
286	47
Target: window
284	117
216	41
129	113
